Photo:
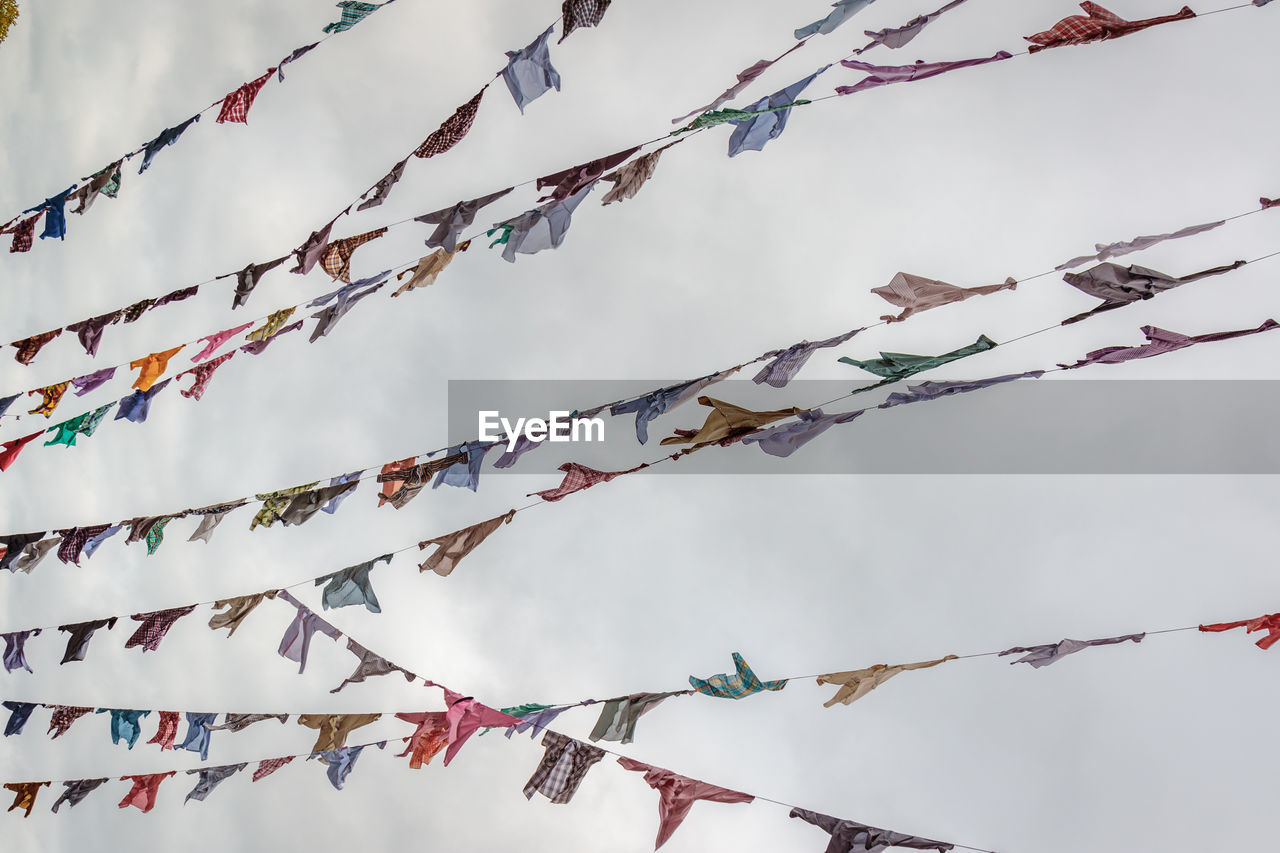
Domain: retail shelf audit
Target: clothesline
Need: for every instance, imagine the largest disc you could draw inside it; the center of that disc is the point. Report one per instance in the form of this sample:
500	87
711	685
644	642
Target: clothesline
809	409
649	142
669	457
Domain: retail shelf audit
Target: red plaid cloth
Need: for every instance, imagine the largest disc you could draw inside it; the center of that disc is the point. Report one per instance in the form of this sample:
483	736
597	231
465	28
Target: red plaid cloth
64	716
336	260
201	374
578	477
168	730
270	765
23	233
74	539
454	128
154	626
1095	25
581	13
235	106
30	347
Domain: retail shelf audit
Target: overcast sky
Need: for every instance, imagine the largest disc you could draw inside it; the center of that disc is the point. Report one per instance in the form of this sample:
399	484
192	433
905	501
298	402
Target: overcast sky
1002	170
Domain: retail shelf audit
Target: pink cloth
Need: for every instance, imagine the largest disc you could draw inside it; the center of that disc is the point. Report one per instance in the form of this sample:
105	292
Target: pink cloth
216	340
578	477
884	75
677	794
1160	342
143	792
914	293
465	716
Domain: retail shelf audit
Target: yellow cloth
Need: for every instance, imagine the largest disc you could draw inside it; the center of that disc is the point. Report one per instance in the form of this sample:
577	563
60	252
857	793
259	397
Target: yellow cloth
334	728
857	683
728	421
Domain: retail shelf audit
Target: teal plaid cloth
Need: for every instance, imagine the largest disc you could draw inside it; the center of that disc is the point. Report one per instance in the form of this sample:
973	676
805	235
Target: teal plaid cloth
715	117
352	14
79	425
744	683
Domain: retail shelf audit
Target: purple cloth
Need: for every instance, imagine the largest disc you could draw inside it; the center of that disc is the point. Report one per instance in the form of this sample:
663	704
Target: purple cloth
296	642
523	445
788	438
1160	342
1137	244
884	75
901	36
91	381
1039	656
539	720
451	221
787	363
1117	285
934	390
90	331
15	650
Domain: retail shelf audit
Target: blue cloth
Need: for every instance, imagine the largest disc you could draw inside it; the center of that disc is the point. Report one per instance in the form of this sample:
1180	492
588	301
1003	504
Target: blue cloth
137	405
843	11
167	136
91	544
332	506
55	216
651	405
20	712
198	734
124	724
464	474
6	402
342	761
787	439
529	73
933	390
509	457
351	586
752	135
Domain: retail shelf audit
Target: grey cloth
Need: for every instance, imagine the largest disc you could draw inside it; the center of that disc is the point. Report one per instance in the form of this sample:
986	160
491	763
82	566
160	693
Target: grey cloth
329	317
1137	244
745	78
752	134
896	37
1039	656
354	477
307	504
247	279
237	722
382	189
529	73
619	716
207	525
849	836
370	664
934	390
787	439
843	10
210	778
14	546
351	586
787	363
1118	286
76	791
450	221
540	228
34	552
81	633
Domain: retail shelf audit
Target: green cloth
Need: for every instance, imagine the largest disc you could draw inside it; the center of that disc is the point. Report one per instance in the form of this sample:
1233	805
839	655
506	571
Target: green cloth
79	425
895	366
156	534
506	230
715	117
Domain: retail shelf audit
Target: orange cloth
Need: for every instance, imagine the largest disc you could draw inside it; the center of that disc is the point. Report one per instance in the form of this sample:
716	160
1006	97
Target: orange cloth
431	736
24	795
151	367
